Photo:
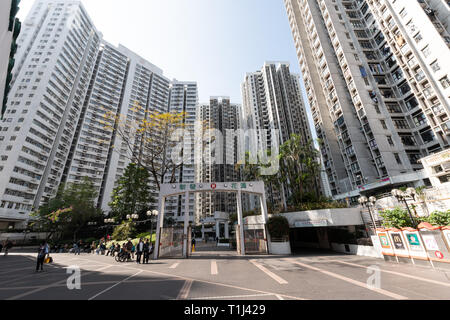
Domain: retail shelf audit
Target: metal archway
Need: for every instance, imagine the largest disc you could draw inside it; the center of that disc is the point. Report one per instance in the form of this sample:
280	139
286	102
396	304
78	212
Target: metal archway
175	189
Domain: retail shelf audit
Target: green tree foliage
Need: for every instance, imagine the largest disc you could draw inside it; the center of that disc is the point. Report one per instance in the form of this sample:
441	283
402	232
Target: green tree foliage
438	218
80	197
397	218
133	194
278	227
123	231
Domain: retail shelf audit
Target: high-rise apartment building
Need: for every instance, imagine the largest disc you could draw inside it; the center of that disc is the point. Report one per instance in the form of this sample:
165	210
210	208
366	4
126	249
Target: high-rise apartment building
54	62
221	119
9	31
183	98
66	78
146	90
370	111
273	102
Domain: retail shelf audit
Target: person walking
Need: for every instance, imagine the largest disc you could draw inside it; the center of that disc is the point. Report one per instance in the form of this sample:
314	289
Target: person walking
146	251
1	247
8	247
139	251
42	253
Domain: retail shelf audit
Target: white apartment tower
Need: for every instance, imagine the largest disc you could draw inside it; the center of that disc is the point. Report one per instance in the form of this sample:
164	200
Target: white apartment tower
183	98
368	109
54	62
272	102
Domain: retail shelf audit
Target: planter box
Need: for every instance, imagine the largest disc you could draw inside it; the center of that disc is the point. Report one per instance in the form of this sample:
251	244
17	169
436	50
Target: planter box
280	248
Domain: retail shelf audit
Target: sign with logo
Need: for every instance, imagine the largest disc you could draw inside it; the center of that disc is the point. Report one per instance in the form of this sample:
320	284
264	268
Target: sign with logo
435	244
311	223
414	242
430	242
384	240
398	241
439	255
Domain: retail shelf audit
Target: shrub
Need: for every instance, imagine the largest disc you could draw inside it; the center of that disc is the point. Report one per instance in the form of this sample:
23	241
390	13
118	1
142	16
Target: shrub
278	227
123	231
438	218
397	218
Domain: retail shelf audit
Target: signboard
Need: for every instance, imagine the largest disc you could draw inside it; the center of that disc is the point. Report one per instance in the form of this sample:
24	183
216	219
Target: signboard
311	223
397	240
446	235
386	246
399	246
436	245
384	240
430	243
415	245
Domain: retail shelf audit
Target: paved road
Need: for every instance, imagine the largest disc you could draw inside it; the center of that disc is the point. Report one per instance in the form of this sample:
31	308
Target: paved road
221	275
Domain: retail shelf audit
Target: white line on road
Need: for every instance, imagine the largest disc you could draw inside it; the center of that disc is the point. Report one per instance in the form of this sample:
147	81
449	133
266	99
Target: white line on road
396	273
107	289
174	266
214	270
269	273
49	286
184	292
235	297
358	283
279	297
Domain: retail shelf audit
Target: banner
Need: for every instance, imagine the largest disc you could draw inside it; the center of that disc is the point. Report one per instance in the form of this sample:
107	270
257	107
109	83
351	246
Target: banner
386	246
436	245
415	245
399	245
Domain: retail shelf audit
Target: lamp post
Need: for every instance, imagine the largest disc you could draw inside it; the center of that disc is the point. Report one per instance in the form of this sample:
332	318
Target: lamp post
401	197
151	214
369	203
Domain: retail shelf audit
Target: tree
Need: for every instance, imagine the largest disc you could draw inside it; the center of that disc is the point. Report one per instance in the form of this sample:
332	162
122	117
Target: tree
148	139
71	209
123	231
133	193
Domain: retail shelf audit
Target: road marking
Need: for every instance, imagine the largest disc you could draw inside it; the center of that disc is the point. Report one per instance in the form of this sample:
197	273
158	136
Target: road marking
279	297
358	283
214	270
269	273
107	289
184	292
174	266
396	273
234	297
55	284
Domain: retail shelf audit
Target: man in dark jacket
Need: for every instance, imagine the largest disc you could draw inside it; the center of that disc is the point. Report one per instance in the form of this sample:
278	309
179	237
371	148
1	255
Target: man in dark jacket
129	247
139	251
146	251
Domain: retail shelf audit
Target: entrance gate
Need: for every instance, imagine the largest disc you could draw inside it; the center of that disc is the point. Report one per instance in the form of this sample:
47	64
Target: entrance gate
164	239
255	242
171	242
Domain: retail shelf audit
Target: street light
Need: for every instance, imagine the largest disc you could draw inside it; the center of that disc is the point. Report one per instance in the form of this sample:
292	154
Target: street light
151	214
401	197
132	216
369	203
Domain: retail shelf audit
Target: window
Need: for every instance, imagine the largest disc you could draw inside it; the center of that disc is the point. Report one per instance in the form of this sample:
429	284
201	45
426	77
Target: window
397	158
418	37
426	52
435	66
383	124
445	82
390	141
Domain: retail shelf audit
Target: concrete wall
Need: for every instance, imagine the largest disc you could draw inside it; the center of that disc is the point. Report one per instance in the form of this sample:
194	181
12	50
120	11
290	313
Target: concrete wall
280	248
333	217
364	251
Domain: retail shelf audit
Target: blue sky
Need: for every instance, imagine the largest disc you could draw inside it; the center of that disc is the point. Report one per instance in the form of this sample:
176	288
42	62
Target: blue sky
213	42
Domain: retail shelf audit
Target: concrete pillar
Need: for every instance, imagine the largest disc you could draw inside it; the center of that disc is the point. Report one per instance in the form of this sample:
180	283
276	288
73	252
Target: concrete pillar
265	218
159	226
240	221
217	229
203	231
186	225
227	230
